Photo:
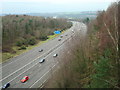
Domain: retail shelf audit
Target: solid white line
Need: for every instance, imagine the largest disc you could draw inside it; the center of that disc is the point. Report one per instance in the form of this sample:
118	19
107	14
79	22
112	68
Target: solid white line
32	61
39	79
38	57
35	64
42	85
16	60
27	64
45	74
23	72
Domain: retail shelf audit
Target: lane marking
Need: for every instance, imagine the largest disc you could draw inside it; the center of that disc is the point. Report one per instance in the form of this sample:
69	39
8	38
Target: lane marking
42	76
42	85
31	62
24	72
23	56
43	54
15	60
60	45
45	73
40	56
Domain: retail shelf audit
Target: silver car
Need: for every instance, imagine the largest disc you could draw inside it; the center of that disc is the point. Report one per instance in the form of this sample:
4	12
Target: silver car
40	50
42	60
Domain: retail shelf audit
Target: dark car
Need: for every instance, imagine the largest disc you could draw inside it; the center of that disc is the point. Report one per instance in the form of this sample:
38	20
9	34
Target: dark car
59	39
42	60
6	85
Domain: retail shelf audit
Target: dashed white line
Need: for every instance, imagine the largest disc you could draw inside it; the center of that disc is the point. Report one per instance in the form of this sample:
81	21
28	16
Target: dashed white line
35	64
24	72
28	64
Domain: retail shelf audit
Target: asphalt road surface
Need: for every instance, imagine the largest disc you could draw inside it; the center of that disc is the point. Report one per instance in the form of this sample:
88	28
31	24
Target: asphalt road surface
28	63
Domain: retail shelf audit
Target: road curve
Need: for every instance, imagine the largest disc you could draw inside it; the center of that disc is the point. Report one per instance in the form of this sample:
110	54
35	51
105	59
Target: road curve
28	63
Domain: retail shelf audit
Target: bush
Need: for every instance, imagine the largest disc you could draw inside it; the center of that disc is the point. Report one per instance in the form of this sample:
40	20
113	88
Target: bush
32	41
22	47
52	33
43	38
19	43
102	71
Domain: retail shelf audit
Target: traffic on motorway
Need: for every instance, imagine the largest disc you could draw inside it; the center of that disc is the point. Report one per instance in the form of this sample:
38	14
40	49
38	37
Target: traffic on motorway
26	78
14	78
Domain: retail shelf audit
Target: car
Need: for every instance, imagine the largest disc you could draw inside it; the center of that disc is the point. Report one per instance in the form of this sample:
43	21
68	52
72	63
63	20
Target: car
42	60
72	31
59	39
66	35
40	50
24	79
6	85
55	55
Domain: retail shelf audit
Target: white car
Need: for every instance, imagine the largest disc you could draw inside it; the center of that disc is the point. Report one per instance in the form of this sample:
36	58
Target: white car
55	55
72	31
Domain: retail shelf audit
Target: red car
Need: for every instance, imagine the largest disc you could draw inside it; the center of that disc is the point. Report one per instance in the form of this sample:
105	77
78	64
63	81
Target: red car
25	79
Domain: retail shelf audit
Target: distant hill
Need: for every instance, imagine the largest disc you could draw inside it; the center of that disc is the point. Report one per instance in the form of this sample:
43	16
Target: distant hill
84	14
71	15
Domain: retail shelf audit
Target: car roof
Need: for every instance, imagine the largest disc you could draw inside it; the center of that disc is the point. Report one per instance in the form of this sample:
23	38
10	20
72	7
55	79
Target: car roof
42	59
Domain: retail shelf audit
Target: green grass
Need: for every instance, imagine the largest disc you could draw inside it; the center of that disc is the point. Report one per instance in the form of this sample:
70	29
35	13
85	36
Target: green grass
7	56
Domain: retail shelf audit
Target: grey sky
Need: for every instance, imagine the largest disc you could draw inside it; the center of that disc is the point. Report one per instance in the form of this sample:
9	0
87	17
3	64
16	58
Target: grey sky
43	6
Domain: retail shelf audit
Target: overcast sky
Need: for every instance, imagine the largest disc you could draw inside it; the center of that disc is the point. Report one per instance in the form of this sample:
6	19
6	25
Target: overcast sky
43	6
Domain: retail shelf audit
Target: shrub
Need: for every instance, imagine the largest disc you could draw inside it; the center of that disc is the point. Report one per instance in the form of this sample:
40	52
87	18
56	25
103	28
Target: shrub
43	38
22	47
102	69
19	43
31	41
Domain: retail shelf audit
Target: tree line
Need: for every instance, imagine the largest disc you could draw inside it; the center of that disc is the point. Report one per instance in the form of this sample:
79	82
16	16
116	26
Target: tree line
24	30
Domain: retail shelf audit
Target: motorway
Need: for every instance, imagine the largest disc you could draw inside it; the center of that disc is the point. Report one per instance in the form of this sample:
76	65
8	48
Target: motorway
28	63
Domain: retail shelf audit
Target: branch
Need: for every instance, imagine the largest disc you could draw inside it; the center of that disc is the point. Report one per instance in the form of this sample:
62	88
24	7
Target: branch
116	28
109	82
108	30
